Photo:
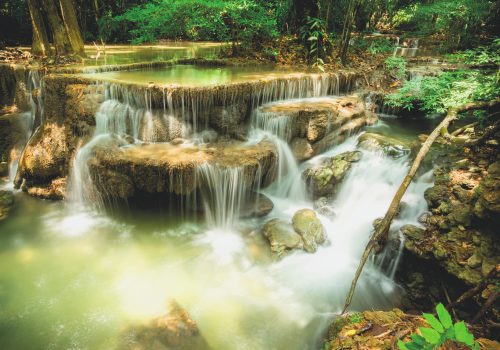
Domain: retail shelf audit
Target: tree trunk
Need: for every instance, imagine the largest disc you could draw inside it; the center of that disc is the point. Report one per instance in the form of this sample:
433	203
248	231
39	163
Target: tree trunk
382	231
72	27
59	35
40	46
347	29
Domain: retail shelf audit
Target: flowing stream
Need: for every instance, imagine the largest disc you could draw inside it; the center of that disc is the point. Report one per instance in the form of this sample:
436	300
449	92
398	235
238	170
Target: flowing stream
74	277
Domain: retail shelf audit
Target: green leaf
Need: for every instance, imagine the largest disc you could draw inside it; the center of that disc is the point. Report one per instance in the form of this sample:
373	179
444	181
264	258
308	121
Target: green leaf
433	322
462	334
450	333
312	38
430	335
418	339
444	316
413	346
401	345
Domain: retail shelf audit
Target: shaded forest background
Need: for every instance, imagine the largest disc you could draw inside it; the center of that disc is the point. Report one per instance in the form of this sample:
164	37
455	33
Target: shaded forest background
461	23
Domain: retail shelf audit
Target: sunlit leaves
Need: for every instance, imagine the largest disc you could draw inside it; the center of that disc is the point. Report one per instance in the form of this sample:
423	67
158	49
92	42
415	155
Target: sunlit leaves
442	330
447	90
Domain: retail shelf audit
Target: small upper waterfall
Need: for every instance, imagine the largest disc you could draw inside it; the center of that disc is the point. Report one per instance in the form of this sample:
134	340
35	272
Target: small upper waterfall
406	47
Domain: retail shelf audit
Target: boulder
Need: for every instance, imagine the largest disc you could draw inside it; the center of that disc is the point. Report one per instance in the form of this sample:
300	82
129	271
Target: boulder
6	203
306	223
301	149
315	124
46	155
126	170
281	236
257	206
305	232
324	179
227	120
55	189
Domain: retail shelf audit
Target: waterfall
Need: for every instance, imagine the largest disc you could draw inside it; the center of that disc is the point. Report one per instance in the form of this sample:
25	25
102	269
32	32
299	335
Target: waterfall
408	48
223	193
28	120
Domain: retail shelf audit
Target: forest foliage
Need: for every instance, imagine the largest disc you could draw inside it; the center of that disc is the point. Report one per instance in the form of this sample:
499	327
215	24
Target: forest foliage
461	22
436	94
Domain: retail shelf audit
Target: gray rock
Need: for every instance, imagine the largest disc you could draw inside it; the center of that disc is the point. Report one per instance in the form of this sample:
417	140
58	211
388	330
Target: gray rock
306	223
325	178
281	236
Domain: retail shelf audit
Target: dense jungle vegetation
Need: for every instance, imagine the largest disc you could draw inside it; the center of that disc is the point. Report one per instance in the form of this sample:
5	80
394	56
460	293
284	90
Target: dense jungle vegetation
320	26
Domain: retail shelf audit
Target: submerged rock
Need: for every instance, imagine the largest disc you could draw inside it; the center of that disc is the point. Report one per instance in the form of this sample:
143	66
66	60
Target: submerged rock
325	178
175	330
323	207
388	145
6	203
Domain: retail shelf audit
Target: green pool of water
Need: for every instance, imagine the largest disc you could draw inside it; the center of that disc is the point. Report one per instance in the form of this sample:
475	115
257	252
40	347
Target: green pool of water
126	54
194	75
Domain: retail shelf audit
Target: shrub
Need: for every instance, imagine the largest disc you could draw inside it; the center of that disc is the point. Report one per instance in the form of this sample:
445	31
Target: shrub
396	66
447	90
480	55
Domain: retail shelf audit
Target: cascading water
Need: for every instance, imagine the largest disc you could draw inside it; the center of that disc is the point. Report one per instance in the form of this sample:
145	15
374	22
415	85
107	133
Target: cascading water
28	120
223	194
238	296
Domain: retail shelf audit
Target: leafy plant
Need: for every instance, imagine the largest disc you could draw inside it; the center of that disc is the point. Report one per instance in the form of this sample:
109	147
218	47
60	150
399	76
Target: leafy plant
380	46
447	90
442	330
481	55
314	35
396	66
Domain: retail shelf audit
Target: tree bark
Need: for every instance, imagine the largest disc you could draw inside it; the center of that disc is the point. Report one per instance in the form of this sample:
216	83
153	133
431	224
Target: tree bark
72	28
40	46
381	233
347	29
59	35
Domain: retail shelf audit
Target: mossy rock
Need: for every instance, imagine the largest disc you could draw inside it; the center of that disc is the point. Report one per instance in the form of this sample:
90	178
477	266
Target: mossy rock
7	202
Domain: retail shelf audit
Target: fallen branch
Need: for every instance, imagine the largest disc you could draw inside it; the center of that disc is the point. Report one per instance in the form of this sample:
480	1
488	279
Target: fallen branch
474	290
463	128
381	233
489	302
486	135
